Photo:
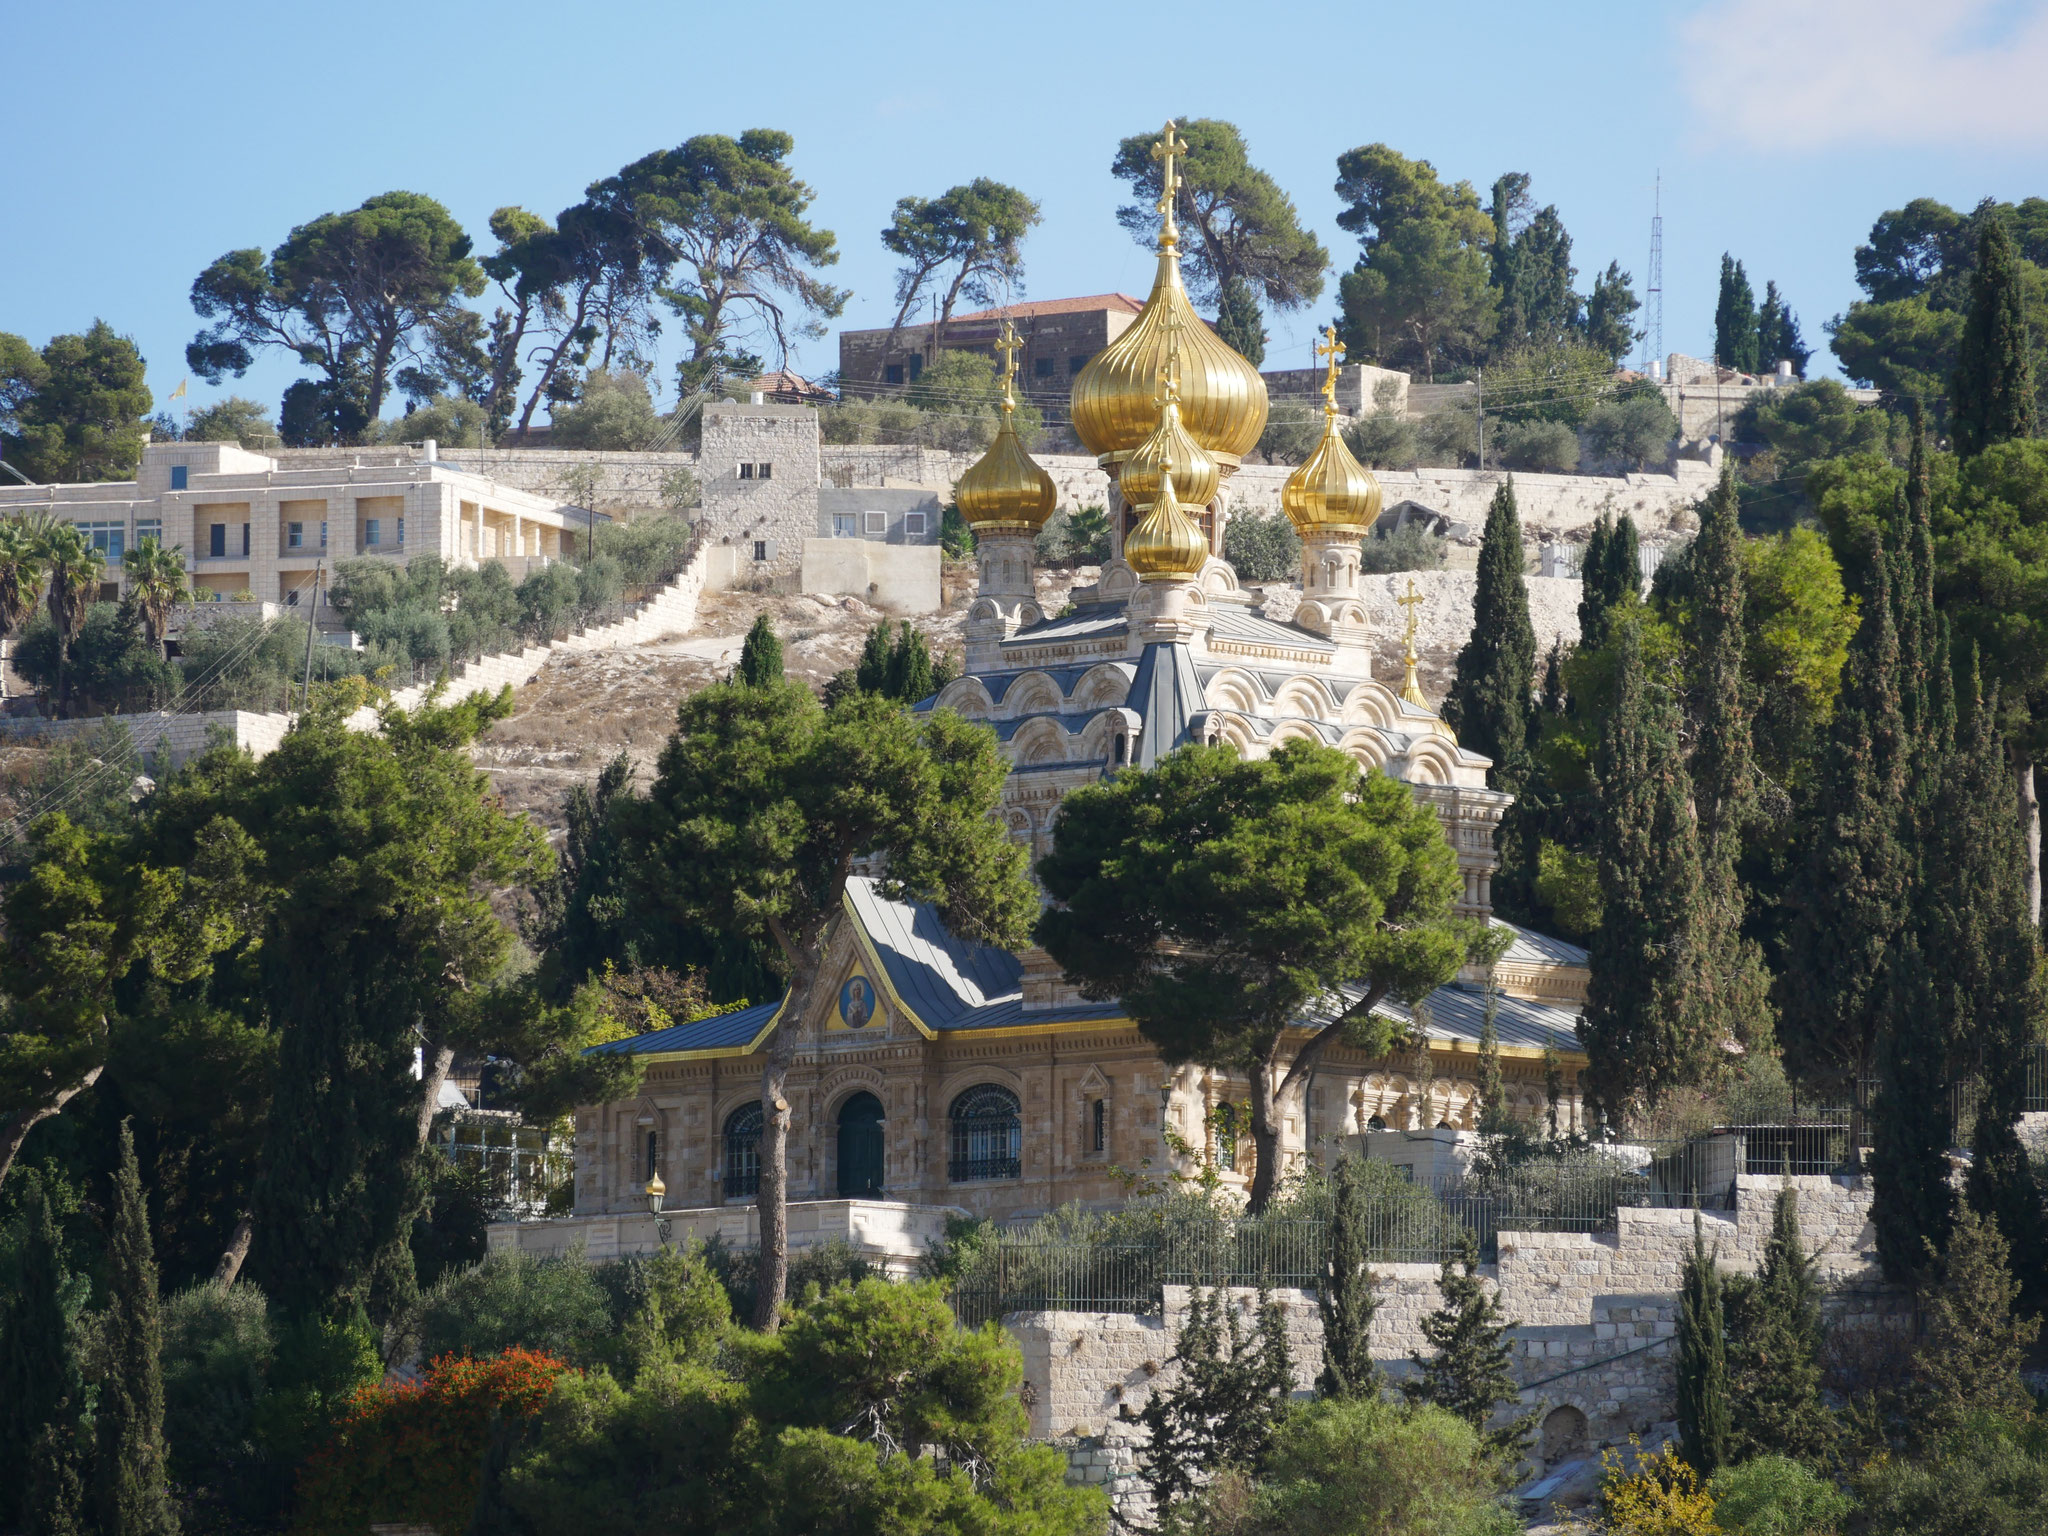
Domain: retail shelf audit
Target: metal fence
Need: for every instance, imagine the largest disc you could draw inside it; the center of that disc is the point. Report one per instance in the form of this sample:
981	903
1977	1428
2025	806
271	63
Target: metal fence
527	1171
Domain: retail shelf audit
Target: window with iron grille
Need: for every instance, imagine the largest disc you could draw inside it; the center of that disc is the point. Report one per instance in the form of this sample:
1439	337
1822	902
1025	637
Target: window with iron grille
988	1135
1098	1140
743	1151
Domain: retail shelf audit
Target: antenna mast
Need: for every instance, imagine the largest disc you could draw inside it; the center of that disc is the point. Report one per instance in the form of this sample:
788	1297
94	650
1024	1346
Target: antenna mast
1653	333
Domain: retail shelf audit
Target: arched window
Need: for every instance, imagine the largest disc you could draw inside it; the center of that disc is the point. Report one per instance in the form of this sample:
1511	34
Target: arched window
988	1135
1223	1127
743	1151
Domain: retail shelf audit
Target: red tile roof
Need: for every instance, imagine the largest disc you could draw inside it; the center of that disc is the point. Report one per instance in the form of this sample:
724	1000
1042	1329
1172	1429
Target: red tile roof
1035	307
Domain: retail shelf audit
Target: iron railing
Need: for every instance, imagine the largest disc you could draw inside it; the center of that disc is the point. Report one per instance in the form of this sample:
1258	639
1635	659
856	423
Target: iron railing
962	1169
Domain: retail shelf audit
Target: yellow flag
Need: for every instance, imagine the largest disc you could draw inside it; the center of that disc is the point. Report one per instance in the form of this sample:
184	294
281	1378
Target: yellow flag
179	392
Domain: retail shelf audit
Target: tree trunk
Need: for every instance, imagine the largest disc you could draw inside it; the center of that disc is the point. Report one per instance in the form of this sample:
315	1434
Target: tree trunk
772	1198
435	1060
2030	825
18	1126
230	1264
1265	1139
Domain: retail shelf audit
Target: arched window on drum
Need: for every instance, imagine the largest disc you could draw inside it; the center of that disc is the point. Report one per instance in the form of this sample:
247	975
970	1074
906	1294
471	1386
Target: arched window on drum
987	1135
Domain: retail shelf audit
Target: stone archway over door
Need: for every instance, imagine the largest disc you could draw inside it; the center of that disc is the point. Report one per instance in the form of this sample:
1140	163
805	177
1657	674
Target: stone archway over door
860	1148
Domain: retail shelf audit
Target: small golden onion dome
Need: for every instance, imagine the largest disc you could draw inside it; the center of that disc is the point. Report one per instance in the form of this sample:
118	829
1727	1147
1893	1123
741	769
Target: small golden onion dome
1196	474
1005	489
1330	490
1167	544
1115	399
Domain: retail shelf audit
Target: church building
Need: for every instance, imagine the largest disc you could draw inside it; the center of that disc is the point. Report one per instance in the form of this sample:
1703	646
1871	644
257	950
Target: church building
939	1073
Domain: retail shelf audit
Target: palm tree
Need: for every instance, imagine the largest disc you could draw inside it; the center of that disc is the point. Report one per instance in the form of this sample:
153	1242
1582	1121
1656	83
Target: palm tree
156	578
22	572
75	571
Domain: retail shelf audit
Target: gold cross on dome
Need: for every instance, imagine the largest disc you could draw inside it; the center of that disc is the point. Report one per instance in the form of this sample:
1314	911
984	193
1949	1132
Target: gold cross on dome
1169	148
1009	346
1411	602
1334	351
1169	370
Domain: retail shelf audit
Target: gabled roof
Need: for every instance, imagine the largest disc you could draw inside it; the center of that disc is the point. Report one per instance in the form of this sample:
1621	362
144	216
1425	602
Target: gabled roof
947	985
1167	695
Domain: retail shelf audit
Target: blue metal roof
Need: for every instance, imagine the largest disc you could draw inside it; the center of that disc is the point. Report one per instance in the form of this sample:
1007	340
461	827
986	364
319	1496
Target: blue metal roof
1228	621
1166	695
1087	619
953	985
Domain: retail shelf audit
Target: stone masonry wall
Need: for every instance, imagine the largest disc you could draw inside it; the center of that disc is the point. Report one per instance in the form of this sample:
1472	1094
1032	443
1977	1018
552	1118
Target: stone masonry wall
772	516
1597	1320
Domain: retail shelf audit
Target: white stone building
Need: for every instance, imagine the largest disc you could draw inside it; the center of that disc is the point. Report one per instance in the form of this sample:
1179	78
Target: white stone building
249	525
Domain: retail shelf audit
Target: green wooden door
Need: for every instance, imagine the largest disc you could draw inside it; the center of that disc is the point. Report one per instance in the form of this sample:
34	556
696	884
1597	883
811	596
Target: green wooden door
860	1148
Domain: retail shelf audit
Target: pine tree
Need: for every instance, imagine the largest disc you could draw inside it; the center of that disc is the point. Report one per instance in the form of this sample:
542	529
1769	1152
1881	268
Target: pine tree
39	1381
130	1493
1702	1360
1735	319
1644	1027
1774	1340
1850	892
1348	1297
761	655
1969	1358
1472	1372
1991	393
872	672
1239	325
1724	771
1488	705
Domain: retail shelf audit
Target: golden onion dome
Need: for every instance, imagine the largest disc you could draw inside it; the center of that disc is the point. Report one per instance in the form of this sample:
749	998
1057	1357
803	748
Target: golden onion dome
1115	398
1167	544
1170	448
1006	489
1330	490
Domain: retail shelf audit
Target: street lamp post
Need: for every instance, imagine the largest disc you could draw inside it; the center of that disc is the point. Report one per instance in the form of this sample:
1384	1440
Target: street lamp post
656	1192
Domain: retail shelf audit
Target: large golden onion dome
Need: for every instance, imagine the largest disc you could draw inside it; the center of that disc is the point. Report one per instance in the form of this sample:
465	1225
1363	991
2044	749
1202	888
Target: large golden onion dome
1166	544
1115	399
1006	490
1330	490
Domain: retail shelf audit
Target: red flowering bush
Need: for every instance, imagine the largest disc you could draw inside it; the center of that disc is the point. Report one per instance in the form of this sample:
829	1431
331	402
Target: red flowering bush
412	1452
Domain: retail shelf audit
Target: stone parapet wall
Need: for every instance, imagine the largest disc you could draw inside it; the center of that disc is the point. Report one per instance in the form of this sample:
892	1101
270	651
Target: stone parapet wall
163	740
1596	1315
891	1234
620	483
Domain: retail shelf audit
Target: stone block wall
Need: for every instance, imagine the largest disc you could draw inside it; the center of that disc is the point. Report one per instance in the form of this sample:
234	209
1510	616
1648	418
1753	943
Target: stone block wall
764	520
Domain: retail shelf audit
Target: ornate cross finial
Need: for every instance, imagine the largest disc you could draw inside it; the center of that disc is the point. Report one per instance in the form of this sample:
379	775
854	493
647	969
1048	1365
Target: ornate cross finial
1333	349
1169	369
1411	602
1170	147
1009	346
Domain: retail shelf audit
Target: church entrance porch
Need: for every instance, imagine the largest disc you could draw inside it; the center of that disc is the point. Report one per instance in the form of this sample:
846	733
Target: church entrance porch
860	1148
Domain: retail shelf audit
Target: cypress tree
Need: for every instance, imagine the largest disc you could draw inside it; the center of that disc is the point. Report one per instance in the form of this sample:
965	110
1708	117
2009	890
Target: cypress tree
1849	894
1991	392
1774	1370
1623	582
872	672
131	1496
761	655
910	676
1488	705
1912	1205
1724	770
1594	599
1472	1373
1968	1362
1988	977
1494	1119
1702	1361
1735	319
1644	1026
39	1382
1239	325
1348	1297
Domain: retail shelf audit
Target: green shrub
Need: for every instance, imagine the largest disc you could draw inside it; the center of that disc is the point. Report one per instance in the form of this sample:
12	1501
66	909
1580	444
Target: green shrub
1776	1496
514	1300
218	1354
1074	538
614	411
648	550
1262	548
1413	548
1386	439
1540	447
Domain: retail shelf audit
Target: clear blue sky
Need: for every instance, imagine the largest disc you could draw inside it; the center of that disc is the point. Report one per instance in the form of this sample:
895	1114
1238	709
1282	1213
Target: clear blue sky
150	139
